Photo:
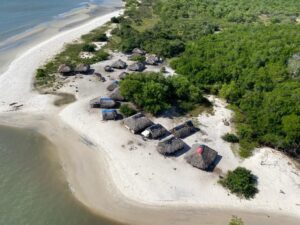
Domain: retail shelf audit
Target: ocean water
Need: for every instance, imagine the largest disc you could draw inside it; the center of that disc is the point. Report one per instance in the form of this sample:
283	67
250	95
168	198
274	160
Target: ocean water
33	190
17	16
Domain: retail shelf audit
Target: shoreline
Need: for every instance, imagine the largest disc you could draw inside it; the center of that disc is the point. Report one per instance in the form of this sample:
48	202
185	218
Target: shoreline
17	83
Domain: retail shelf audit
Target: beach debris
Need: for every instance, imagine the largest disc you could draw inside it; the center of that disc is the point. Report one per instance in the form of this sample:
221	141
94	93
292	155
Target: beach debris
137	123
108	69
119	64
113	85
13	103
170	145
201	156
138	67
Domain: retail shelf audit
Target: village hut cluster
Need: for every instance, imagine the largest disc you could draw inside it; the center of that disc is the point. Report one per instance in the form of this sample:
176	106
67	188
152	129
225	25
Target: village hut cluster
170	142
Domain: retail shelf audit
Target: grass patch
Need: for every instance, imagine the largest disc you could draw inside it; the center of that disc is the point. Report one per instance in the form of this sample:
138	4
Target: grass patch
64	99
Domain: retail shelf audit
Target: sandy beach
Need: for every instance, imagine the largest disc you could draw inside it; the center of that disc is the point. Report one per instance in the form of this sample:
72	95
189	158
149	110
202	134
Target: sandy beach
119	175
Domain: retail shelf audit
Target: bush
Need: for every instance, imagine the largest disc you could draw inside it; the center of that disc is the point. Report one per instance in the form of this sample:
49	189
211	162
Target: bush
115	19
232	138
240	182
138	58
89	48
102	37
127	111
101	56
41	73
236	221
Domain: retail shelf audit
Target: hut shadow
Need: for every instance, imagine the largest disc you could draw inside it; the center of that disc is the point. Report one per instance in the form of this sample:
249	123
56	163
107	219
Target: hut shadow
181	152
119	117
212	167
90	72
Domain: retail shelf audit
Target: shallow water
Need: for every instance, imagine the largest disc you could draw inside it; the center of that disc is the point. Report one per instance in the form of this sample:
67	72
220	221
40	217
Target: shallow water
33	190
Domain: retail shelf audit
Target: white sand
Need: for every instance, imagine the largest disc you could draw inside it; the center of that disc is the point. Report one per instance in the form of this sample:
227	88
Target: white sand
137	170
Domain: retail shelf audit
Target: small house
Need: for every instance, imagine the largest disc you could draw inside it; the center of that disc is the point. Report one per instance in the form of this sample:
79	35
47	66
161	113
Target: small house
116	95
152	60
109	114
82	68
102	103
108	68
137	67
137	123
113	85
170	145
64	69
138	51
183	130
155	131
201	156
119	64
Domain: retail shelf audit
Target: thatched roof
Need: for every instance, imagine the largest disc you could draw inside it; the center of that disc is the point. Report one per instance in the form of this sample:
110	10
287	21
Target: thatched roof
183	130
137	123
201	156
123	75
64	69
82	68
107	103
152	59
116	95
109	114
138	51
119	64
170	145
138	67
113	85
108	68
155	131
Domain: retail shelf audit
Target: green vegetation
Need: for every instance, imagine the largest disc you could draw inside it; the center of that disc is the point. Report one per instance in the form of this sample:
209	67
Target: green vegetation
232	138
126	110
240	182
89	47
154	93
138	58
236	221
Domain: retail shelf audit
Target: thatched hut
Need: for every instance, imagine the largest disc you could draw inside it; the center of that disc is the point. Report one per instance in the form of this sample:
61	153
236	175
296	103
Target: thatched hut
137	67
138	51
183	130
123	75
109	114
116	95
113	85
108	69
155	131
201	156
152	60
106	103
170	145
119	64
64	69
137	123
82	68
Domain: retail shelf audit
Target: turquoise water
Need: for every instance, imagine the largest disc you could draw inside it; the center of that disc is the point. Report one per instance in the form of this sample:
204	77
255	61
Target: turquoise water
33	190
17	16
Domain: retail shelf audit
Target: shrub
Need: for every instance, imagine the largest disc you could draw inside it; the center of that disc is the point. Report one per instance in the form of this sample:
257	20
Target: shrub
236	221
240	182
126	110
115	19
232	138
138	58
101	56
102	37
89	48
41	73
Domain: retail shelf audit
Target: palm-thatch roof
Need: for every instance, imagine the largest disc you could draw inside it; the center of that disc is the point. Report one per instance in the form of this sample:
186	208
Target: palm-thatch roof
138	67
155	131
64	69
109	114
108	68
183	130
170	145
138	51
137	123
201	156
113	85
82	68
105	103
119	64
116	95
152	60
